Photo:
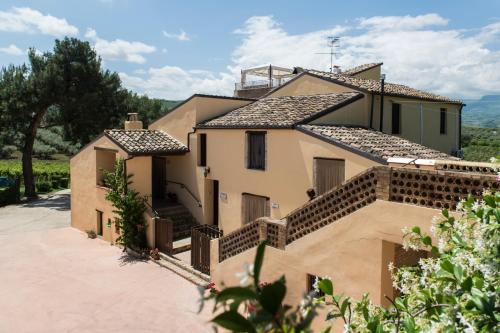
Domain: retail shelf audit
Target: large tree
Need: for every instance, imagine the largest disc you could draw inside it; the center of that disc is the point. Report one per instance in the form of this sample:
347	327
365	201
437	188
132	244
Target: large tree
84	98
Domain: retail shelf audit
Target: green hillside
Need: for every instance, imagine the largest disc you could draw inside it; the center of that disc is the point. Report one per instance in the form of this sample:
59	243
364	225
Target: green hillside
480	144
484	112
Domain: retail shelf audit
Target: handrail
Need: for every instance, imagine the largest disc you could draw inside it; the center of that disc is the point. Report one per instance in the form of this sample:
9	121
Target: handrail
188	190
155	213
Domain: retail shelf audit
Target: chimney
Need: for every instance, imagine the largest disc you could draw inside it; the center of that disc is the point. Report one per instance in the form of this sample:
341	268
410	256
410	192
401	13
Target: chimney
133	122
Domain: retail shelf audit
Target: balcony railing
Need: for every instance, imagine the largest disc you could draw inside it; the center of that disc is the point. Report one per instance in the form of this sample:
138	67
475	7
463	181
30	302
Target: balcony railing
259	84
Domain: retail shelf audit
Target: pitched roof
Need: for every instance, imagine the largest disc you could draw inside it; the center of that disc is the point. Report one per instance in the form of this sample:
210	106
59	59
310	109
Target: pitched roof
373	144
373	86
145	142
361	68
281	112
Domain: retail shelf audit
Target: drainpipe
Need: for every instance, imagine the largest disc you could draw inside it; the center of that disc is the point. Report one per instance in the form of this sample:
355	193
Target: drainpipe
371	111
382	83
460	126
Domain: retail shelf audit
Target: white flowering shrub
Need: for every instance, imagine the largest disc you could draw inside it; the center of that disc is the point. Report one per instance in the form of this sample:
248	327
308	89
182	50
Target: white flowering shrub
455	289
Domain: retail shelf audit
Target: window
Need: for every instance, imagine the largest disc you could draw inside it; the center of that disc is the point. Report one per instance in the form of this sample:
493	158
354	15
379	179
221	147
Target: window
328	173
105	161
254	206
311	280
442	121
406	258
202	150
396	118
256	150
99	222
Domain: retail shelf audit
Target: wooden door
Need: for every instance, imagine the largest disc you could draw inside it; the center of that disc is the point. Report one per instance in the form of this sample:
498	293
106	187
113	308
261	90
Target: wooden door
159	175
328	173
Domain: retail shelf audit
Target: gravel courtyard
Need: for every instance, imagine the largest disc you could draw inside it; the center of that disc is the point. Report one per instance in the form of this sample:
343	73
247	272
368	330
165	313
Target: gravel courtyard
54	279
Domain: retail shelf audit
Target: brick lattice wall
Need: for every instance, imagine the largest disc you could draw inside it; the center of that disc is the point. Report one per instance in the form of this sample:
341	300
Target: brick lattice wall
428	188
331	206
437	189
238	241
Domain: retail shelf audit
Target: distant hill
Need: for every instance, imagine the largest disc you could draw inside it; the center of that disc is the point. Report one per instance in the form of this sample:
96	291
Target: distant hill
484	112
169	105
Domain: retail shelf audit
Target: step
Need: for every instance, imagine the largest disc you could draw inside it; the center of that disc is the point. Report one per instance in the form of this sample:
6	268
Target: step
181	245
179	267
185	268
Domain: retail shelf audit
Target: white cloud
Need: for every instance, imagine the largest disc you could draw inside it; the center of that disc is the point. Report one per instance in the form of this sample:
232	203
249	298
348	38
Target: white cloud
402	22
182	36
11	50
119	49
32	21
175	83
446	61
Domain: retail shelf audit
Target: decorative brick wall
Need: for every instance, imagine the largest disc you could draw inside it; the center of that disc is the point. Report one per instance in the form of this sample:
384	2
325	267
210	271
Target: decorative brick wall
428	188
239	241
437	189
354	194
470	167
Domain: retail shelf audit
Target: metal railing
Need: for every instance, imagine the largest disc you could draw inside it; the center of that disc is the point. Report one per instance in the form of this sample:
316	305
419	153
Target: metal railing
258	84
183	186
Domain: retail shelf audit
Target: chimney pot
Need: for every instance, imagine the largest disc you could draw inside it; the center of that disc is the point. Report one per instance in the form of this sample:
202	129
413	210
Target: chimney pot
133	122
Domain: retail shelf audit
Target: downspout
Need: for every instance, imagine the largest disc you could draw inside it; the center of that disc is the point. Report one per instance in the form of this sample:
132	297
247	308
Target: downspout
382	83
371	111
460	126
421	123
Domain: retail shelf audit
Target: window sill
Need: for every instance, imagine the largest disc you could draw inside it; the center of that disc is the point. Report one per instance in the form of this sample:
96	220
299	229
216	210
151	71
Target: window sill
255	169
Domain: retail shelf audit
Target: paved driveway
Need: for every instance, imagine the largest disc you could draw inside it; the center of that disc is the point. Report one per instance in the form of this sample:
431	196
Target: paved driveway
54	279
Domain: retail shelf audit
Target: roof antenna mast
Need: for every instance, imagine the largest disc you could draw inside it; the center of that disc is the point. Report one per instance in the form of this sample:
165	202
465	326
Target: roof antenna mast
333	43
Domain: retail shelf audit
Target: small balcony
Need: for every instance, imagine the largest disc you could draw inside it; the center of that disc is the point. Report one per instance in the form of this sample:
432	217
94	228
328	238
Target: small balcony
252	86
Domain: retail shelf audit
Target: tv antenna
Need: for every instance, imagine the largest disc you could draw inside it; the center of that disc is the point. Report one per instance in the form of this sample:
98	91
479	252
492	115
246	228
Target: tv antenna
333	43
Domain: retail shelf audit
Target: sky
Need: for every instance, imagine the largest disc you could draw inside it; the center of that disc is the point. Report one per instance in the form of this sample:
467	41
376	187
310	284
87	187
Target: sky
173	49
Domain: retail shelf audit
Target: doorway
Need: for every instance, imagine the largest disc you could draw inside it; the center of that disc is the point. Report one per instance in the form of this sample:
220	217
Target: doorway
211	202
215	211
159	178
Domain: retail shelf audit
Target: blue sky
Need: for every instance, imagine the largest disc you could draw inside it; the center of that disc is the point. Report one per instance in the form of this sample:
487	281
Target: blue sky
172	49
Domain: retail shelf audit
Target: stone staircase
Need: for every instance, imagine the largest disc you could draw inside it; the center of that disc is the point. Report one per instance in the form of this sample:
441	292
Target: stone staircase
182	219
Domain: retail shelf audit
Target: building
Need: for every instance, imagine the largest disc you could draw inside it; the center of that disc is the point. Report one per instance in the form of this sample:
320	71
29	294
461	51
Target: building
306	166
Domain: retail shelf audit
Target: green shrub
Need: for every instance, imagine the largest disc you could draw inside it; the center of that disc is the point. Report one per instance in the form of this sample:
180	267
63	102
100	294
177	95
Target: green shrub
64	182
43	151
43	186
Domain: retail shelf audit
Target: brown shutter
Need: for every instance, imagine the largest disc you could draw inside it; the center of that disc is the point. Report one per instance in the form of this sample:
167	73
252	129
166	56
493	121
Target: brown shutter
253	207
328	173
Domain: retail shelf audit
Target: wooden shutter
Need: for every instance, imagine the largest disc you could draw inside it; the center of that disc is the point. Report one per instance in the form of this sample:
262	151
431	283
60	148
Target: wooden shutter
396	118
254	206
257	150
442	121
328	173
202	146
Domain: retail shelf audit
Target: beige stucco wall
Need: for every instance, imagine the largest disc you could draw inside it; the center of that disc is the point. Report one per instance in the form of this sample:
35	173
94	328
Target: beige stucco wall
181	121
309	85
410	122
352	251
354	113
87	196
289	171
370	74
410	113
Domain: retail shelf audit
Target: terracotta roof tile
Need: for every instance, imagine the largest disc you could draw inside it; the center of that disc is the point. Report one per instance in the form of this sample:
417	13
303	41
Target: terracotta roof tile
377	144
281	112
390	89
145	142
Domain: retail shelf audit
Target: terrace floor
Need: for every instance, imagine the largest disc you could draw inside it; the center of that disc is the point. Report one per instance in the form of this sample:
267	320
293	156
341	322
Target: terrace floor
54	279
